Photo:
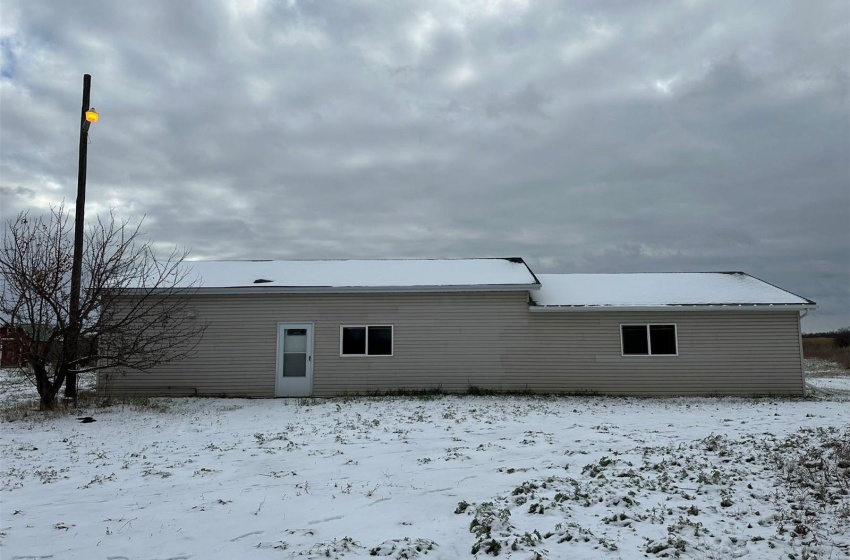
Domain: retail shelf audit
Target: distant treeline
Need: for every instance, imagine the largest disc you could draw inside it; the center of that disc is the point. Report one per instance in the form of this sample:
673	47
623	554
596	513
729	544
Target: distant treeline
840	337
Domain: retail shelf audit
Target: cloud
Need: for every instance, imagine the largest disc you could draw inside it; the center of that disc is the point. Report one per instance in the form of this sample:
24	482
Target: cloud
584	136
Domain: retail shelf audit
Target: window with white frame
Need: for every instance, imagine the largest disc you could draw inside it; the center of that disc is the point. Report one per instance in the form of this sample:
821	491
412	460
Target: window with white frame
367	340
649	340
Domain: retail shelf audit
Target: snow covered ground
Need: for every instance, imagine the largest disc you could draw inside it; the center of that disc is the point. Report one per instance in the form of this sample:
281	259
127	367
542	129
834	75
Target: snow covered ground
432	477
824	374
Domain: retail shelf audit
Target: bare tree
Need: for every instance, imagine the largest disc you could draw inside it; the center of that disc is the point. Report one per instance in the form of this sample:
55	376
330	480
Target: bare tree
133	306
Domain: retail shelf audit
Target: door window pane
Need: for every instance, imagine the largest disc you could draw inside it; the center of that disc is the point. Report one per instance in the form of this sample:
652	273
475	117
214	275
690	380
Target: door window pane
295	365
380	341
295	340
353	340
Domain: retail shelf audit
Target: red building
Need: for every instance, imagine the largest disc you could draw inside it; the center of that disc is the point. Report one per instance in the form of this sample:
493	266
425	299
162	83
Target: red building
14	342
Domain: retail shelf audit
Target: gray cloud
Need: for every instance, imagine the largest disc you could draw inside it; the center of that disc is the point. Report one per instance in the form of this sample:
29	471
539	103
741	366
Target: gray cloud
584	136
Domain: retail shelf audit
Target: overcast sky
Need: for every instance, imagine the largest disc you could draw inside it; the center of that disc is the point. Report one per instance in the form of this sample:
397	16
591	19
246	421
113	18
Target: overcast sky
584	136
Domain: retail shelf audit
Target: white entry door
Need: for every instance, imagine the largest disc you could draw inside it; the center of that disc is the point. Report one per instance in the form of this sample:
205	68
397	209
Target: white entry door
294	376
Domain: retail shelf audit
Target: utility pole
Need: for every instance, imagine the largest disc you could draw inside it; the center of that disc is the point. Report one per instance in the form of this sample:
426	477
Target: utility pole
86	118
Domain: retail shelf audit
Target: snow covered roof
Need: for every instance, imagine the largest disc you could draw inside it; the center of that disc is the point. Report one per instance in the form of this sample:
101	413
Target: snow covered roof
645	291
365	275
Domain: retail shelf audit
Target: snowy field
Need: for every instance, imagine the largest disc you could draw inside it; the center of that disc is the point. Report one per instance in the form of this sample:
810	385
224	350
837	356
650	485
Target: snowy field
442	477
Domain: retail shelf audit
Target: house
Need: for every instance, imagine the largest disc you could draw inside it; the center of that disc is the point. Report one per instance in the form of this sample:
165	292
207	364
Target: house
16	340
12	340
323	328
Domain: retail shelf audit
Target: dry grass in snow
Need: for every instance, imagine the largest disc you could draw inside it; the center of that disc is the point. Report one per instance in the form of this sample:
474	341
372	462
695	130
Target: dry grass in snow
437	477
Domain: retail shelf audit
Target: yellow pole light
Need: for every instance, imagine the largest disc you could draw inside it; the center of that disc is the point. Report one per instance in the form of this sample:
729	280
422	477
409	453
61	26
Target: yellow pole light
92	115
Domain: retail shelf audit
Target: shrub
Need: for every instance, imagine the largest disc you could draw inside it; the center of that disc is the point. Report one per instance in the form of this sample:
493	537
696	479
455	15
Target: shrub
828	346
842	338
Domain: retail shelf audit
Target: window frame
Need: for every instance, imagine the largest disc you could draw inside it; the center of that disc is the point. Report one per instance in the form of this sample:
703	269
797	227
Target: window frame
649	339
366	354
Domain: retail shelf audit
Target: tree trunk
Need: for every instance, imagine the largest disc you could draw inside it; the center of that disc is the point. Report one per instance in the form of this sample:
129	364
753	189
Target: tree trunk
71	385
46	390
48	399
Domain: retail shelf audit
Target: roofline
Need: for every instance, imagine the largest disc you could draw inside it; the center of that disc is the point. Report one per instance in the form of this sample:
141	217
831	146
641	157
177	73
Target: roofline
783	289
645	272
528	268
673	307
266	289
403	259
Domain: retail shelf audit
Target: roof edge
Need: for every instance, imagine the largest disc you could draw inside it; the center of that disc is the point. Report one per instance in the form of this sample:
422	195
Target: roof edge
673	307
266	289
520	260
810	302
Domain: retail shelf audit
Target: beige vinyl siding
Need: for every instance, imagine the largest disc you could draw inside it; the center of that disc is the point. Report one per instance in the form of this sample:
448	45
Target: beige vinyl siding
720	352
491	340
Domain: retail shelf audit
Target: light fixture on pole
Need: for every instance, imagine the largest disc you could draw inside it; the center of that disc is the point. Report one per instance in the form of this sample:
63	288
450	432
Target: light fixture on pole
91	117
